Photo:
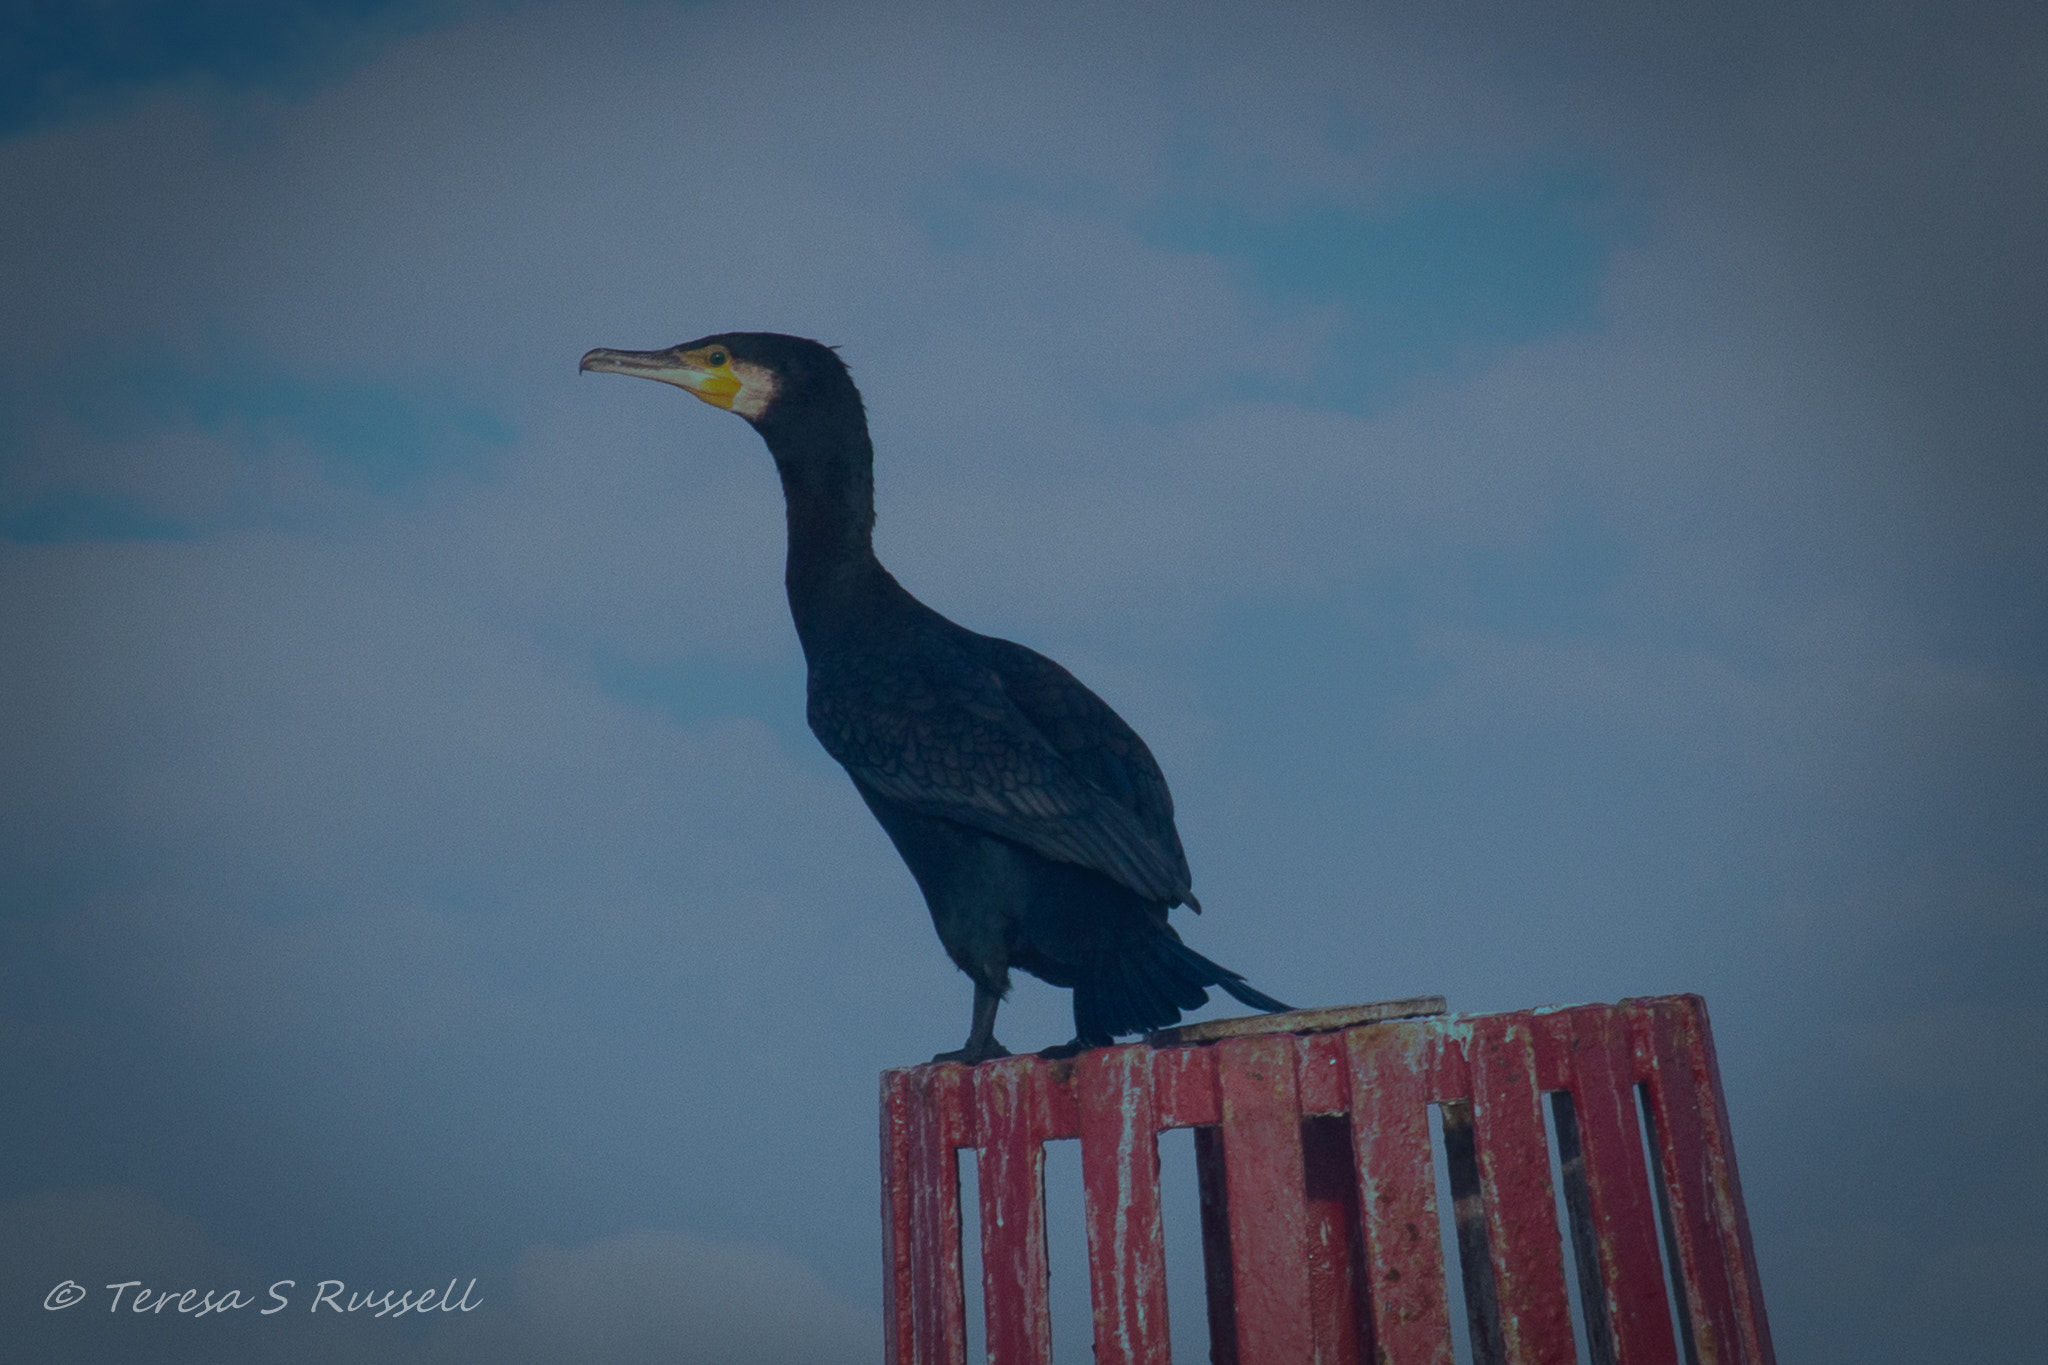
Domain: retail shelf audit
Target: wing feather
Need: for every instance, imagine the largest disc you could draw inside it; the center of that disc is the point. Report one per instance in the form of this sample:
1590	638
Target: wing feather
956	726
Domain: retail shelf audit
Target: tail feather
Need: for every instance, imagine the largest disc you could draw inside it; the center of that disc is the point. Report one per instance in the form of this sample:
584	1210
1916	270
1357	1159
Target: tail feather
1213	974
1148	984
1159	969
1256	999
1170	975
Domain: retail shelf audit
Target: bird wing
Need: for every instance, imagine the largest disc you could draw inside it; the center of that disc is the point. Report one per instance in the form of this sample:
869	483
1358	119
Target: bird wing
932	725
1091	738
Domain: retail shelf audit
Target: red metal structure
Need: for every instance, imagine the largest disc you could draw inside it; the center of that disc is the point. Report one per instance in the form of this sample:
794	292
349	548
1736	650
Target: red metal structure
1321	1235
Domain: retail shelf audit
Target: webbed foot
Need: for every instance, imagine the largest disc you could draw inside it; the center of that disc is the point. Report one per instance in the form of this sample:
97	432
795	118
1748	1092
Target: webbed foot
981	1038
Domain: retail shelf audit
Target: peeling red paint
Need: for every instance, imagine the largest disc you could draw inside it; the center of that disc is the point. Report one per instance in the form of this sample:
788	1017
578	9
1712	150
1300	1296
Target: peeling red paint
1120	1175
1321	1227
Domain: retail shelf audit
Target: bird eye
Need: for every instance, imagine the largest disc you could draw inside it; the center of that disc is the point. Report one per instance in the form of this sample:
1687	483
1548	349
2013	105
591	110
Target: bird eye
718	357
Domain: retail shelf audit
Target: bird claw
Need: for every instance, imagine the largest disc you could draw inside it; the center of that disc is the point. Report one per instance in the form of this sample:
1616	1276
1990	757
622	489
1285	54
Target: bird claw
1060	1052
972	1054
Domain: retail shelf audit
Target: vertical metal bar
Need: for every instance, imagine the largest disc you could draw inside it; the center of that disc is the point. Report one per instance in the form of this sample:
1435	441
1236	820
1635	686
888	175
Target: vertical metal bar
1707	1218
939	1300
1120	1177
1335	1243
1733	1215
1217	1280
1684	1157
1614	1188
1404	1264
1011	1120
927	1230
1324	1073
1184	1087
1578	1206
1268	1198
1681	1298
1468	1213
1521	1206
898	1322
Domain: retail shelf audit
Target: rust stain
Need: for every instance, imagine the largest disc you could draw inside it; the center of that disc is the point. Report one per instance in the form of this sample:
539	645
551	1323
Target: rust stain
1293	1224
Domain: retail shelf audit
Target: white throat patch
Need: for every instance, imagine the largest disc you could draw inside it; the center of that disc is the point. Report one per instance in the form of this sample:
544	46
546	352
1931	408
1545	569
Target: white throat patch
757	389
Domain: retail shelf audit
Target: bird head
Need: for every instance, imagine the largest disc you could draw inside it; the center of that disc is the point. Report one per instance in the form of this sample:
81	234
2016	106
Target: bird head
749	373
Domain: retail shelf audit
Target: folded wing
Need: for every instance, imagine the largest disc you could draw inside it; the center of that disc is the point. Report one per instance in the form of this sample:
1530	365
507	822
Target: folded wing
991	735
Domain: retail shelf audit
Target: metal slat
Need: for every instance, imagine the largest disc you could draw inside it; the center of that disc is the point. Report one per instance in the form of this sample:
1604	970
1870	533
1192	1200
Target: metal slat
1752	1323
938	1298
1011	1121
1390	1065
1268	1200
1707	1223
1637	1313
1521	1205
1218	1279
899	1331
1468	1212
1184	1087
1336	1255
1120	1177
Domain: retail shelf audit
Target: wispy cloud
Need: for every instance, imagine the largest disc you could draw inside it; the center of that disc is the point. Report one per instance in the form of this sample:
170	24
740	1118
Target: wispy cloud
67	514
62	58
128	442
1428	281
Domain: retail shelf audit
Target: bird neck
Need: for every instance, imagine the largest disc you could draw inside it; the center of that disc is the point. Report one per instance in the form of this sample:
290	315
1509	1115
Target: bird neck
828	492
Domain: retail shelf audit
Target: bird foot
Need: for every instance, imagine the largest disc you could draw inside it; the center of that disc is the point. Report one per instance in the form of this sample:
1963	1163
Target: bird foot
1062	1051
972	1054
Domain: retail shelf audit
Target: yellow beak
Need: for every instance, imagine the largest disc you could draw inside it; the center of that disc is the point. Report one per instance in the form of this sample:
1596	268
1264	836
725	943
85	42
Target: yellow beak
715	386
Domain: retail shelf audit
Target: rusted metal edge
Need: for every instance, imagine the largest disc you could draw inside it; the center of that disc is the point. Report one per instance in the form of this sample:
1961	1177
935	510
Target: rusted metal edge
1300	1021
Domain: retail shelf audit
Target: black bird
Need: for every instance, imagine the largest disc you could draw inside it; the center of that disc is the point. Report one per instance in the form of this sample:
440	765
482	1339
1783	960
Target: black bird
1035	821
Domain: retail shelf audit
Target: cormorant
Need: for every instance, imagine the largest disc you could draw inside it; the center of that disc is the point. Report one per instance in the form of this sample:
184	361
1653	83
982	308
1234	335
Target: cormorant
1036	822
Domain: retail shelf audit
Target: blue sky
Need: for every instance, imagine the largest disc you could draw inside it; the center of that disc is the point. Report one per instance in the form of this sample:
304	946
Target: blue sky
1561	493
67	61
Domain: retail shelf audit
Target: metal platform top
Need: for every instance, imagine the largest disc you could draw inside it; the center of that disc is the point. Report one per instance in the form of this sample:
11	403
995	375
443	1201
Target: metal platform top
1300	1021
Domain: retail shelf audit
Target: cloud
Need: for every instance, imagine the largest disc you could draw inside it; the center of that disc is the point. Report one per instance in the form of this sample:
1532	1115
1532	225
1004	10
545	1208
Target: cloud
1439	278
188	445
75	514
380	434
67	59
